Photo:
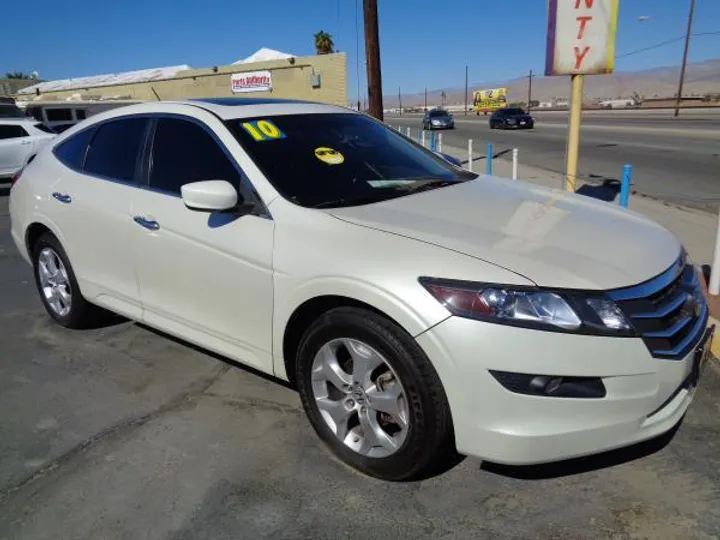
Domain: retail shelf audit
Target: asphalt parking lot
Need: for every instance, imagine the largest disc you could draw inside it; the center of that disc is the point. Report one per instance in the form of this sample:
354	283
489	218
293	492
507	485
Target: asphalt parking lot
121	432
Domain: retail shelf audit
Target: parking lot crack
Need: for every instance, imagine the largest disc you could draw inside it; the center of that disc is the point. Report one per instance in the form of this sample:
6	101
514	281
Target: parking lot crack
190	392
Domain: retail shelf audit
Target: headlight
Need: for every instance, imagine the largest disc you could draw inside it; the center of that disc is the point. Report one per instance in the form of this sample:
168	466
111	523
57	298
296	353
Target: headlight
570	311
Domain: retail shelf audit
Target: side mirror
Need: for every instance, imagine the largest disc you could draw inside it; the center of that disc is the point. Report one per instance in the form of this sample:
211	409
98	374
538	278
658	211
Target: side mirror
211	195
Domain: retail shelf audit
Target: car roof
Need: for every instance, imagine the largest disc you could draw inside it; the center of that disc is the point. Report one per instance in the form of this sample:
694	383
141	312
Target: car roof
232	107
24	120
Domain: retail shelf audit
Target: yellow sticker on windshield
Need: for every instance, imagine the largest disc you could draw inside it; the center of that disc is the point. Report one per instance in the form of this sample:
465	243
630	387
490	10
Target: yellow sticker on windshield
329	155
263	130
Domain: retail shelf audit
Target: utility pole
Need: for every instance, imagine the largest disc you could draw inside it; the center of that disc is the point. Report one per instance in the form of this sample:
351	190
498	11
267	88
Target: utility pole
400	101
529	103
372	54
685	55
466	89
426	99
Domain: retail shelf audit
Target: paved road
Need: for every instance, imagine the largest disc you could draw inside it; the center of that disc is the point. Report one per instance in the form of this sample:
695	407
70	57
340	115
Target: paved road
673	159
122	433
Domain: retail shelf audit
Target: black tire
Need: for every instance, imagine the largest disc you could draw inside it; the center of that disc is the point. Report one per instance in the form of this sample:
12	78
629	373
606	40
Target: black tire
429	438
82	314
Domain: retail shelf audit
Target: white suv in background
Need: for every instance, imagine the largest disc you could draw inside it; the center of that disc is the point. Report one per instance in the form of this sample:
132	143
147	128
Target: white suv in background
20	139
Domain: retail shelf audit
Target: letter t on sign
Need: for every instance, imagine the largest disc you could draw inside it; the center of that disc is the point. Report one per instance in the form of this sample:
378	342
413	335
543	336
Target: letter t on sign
583	21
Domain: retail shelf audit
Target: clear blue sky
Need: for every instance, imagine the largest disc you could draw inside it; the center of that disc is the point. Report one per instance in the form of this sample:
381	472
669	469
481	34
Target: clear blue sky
423	42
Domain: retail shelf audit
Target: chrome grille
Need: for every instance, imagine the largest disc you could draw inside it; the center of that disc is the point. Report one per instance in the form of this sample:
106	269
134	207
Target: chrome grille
669	311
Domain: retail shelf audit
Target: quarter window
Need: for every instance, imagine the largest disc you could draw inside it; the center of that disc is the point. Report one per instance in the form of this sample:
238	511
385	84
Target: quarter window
80	114
12	132
115	149
71	152
184	152
59	115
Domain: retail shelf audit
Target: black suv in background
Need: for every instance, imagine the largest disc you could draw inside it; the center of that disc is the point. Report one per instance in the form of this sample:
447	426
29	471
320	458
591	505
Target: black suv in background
511	118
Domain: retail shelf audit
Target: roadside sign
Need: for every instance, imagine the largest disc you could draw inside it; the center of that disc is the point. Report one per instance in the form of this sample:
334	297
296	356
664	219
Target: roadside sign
581	37
251	81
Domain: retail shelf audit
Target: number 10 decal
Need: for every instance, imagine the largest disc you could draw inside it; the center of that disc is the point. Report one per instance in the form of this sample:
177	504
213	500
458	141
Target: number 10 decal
263	130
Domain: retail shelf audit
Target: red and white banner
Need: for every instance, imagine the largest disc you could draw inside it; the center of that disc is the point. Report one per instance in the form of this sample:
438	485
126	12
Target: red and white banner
251	81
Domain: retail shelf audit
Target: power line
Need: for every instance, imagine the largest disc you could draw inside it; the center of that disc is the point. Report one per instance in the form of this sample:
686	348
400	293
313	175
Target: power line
667	42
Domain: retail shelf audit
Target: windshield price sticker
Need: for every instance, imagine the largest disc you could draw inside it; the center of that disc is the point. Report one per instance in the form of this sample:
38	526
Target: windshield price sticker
263	130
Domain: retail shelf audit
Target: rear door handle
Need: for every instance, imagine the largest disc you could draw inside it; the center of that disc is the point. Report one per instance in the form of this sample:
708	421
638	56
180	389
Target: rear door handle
62	197
147	223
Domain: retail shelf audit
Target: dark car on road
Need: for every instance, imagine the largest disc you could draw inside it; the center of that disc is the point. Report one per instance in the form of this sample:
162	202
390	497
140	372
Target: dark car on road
438	119
511	118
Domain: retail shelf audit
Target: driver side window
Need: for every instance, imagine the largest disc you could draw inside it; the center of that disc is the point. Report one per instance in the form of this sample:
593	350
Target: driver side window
183	152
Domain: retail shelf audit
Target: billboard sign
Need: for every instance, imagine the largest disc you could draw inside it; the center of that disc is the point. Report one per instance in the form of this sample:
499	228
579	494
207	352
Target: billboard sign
489	100
581	37
251	81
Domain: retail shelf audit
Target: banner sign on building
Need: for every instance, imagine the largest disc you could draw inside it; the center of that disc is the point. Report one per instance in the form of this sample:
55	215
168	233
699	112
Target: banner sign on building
581	37
251	81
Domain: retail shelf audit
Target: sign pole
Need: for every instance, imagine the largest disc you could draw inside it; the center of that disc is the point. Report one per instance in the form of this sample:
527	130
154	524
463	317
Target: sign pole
573	144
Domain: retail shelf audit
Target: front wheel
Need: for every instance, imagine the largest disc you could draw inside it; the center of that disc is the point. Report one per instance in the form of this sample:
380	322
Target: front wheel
372	395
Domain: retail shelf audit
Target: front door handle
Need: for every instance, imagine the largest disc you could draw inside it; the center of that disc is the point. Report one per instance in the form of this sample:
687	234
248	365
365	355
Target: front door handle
147	223
62	197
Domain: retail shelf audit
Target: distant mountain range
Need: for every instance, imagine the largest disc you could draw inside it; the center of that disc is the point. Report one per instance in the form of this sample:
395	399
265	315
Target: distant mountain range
700	78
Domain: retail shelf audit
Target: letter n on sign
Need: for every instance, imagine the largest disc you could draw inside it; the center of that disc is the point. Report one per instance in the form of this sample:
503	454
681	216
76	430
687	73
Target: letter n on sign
581	37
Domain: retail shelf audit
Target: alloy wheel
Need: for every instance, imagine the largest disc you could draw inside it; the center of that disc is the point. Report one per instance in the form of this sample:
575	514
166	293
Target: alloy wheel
360	397
54	282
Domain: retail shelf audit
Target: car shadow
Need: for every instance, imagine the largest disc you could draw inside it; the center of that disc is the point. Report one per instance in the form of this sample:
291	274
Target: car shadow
216	356
483	158
607	191
570	467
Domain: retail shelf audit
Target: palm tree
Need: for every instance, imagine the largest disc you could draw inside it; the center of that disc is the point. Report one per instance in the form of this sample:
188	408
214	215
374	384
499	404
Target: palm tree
324	43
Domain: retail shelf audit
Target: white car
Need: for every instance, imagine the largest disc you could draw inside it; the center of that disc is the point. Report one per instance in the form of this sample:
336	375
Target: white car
418	308
20	138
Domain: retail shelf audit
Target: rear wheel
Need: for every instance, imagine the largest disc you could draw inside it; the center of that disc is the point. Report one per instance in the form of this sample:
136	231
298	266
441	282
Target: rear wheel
58	288
372	395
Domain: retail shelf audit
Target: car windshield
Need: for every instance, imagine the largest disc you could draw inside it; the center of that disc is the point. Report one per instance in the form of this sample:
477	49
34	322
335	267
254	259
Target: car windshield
329	160
434	114
512	111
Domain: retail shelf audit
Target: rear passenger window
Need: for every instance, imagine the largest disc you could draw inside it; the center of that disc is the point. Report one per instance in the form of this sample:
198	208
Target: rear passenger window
71	152
80	114
184	152
59	115
12	132
115	148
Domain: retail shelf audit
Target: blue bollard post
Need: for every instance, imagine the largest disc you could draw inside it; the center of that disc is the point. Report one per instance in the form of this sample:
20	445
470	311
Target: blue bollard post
489	157
625	185
433	142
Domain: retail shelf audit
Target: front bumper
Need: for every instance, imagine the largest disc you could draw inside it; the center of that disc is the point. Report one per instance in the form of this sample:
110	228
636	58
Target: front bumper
645	397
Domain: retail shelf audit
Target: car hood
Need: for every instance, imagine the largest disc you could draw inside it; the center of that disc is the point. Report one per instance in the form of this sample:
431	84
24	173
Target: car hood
553	238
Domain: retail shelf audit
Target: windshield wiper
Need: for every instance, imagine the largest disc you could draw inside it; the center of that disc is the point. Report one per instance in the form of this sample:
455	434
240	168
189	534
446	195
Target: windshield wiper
337	203
432	184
